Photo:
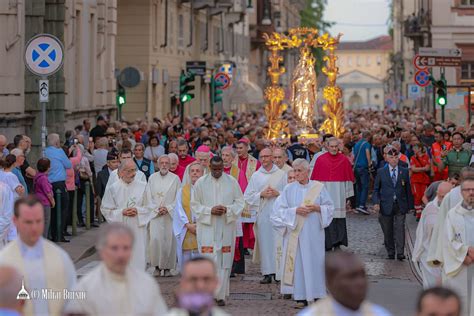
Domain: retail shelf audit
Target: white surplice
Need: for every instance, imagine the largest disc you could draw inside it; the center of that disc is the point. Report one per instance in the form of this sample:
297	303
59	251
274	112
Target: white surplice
180	219
458	236
44	266
216	234
6	213
161	240
120	196
265	234
431	275
435	250
107	293
113	177
309	280
339	193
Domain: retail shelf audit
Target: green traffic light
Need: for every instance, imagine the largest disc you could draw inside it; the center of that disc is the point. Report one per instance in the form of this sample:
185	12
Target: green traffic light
185	98
441	101
121	100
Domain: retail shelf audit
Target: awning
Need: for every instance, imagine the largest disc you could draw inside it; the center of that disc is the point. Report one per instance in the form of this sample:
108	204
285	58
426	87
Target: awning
245	92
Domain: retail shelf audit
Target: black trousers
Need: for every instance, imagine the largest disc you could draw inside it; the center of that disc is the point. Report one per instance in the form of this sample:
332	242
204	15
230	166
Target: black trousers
81	193
63	203
393	227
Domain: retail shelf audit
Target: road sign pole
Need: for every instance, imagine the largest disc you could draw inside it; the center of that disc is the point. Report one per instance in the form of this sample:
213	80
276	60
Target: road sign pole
43	101
442	114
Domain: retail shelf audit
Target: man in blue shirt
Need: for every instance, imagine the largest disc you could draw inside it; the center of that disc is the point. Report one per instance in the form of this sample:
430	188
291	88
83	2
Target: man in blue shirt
57	178
362	162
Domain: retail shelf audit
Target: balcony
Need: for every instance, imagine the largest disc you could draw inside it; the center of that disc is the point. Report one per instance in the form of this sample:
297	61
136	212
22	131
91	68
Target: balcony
417	25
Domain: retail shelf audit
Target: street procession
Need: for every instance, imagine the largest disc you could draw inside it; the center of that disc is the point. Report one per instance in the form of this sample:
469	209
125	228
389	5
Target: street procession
237	157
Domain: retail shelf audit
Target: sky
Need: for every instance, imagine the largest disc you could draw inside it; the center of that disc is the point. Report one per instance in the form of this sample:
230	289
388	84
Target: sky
358	20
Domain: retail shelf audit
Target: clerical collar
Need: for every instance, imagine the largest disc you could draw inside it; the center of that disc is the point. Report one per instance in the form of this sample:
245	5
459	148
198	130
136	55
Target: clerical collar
242	158
340	309
31	252
467	207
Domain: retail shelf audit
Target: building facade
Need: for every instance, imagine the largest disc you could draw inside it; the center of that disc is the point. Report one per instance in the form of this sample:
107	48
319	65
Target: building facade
363	70
437	24
84	87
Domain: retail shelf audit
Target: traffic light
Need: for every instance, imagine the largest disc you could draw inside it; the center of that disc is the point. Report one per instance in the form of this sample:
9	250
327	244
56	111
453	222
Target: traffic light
185	87
441	92
121	95
216	91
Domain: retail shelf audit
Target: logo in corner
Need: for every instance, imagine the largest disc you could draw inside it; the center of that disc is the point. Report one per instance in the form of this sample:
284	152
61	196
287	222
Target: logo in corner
23	294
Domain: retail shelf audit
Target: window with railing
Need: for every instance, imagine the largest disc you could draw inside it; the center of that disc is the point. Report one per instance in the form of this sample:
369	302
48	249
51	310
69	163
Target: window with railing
467	70
180	31
468	3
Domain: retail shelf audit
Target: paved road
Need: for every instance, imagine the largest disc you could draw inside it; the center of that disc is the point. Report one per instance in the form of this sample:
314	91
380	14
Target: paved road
392	283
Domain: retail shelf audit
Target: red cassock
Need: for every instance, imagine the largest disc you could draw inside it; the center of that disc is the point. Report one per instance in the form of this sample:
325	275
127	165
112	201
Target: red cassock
333	168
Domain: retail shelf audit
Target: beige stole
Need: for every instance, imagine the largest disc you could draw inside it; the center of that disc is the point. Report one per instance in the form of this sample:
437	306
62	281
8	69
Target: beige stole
311	195
325	307
55	274
273	181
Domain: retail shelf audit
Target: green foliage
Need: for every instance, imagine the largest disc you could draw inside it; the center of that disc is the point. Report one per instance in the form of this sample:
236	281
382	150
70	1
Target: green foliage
312	16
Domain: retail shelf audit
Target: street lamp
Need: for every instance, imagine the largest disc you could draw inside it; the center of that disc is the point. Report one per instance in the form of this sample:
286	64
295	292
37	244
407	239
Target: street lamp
266	14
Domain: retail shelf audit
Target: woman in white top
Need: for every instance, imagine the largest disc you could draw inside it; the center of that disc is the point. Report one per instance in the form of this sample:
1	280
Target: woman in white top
154	150
9	178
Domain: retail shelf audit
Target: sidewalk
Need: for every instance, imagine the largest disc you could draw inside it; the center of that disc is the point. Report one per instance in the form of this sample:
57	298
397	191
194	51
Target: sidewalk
82	245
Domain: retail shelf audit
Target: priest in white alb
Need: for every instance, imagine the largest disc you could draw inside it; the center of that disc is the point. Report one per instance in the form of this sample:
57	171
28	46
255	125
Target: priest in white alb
217	203
42	264
303	210
163	187
334	170
458	247
123	202
113	287
184	221
264	187
431	275
453	198
114	175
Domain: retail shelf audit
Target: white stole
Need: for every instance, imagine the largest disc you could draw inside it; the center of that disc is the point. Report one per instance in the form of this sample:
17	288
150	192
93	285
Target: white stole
311	195
55	273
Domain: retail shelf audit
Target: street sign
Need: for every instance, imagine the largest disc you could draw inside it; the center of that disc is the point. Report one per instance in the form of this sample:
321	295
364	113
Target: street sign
196	67
414	91
224	79
440	52
44	54
422	78
427	61
417	64
44	91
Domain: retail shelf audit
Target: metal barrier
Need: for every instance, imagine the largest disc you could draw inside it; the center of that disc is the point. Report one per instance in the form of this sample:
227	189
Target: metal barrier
74	214
59	231
88	205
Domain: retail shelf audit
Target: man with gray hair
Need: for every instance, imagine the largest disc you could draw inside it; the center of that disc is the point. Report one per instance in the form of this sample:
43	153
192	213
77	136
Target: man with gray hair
57	177
10	283
114	287
3	145
123	202
301	213
175	166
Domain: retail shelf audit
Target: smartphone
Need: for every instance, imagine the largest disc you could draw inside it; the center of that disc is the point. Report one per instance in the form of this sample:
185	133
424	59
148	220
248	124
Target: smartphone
91	140
76	141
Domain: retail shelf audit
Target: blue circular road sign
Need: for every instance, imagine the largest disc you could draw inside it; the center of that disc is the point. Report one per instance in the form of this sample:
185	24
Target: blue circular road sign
44	54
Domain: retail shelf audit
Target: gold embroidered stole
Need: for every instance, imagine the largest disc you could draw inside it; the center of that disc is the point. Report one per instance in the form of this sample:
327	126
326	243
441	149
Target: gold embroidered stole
311	195
189	242
55	273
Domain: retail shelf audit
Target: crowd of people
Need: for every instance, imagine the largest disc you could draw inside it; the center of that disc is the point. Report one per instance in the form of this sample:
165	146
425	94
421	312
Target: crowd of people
212	190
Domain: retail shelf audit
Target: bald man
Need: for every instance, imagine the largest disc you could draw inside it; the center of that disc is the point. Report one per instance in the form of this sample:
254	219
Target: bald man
10	284
3	146
264	187
429	216
347	282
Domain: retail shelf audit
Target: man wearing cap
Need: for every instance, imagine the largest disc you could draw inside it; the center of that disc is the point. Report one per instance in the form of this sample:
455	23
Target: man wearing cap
243	167
99	129
393	199
103	175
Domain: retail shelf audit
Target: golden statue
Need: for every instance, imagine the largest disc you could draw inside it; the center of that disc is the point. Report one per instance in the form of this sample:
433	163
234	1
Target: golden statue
304	84
304	89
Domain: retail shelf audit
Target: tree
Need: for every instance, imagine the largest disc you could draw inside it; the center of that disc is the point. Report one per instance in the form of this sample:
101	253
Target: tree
312	16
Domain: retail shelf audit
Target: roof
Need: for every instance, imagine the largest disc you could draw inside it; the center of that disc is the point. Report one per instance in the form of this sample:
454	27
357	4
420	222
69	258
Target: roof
383	42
